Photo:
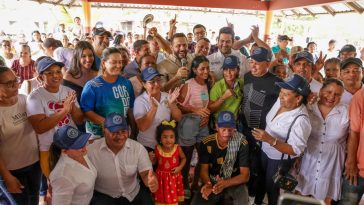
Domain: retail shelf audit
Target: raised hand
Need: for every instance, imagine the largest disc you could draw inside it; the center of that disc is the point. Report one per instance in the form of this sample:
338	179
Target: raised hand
172	96
69	101
320	62
255	31
153	31
153	102
152	182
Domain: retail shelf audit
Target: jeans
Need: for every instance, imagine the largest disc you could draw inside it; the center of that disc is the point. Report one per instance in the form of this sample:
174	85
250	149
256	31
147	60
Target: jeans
43	186
30	178
351	195
238	194
143	197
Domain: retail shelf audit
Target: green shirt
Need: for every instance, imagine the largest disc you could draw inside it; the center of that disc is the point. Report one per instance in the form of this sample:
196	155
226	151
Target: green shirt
231	104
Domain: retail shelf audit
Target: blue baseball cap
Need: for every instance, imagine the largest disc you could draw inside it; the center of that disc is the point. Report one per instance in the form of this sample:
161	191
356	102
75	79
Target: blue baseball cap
115	122
304	55
68	137
47	62
231	62
296	83
226	119
149	73
261	54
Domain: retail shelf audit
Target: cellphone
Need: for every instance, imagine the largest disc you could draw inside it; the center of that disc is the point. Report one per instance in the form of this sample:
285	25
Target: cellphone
291	199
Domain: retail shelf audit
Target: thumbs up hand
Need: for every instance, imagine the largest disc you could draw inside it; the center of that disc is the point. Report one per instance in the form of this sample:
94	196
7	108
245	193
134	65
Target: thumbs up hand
152	181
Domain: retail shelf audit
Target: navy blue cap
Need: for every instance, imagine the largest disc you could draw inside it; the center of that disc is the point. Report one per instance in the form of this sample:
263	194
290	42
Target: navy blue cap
231	62
115	122
47	62
261	54
348	61
68	137
296	83
304	55
149	73
226	119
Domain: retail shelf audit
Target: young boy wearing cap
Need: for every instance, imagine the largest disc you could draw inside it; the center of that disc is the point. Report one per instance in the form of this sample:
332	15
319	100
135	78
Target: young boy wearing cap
119	161
227	93
51	107
73	175
224	164
260	93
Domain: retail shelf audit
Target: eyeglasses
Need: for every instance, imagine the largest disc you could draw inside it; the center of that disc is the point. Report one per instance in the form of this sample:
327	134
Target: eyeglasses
12	83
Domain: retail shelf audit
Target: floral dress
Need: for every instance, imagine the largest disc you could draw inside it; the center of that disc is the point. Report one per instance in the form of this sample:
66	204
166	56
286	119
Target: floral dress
170	190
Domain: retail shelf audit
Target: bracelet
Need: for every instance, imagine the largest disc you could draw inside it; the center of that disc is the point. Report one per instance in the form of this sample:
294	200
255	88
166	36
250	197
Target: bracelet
274	142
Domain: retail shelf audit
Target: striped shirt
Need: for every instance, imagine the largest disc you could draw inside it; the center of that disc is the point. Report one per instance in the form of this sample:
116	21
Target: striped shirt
26	72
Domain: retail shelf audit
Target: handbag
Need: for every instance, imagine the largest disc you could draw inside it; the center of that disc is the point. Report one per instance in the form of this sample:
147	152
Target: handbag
282	178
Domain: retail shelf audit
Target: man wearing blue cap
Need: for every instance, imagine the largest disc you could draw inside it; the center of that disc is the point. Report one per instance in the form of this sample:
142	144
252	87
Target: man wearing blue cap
224	164
260	94
303	65
119	161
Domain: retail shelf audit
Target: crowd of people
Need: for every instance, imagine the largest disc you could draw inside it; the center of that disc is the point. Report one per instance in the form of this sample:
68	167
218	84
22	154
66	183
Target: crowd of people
113	118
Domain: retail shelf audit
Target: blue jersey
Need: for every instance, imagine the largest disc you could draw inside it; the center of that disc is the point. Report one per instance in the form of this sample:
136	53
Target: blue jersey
104	98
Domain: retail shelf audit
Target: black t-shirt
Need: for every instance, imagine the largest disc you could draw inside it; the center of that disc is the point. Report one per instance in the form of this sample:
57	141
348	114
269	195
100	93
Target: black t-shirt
214	156
260	94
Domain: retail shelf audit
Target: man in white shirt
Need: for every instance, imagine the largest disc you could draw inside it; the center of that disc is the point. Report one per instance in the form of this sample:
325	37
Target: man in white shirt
119	161
225	43
303	65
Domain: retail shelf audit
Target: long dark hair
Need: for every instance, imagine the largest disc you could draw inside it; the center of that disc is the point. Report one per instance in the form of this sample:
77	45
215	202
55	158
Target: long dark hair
117	39
194	65
75	69
54	155
161	128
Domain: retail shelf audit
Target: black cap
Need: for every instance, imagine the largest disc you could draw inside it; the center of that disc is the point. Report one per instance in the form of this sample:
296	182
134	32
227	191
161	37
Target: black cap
351	60
348	48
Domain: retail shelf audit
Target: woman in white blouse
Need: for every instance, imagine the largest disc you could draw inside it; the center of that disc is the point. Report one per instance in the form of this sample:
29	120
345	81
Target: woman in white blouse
291	104
73	176
322	164
152	107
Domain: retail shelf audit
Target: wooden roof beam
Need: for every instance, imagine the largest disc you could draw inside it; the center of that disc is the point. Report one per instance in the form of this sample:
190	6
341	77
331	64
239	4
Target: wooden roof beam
329	10
357	8
309	11
57	2
296	13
